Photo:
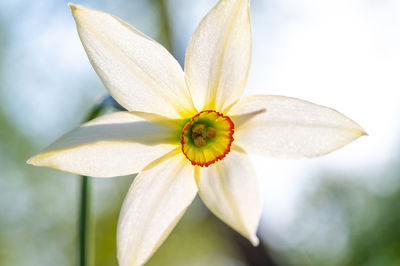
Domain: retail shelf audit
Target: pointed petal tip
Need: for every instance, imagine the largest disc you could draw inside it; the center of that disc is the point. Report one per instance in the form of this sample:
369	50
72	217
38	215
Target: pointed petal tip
364	133
360	132
72	6
32	161
254	240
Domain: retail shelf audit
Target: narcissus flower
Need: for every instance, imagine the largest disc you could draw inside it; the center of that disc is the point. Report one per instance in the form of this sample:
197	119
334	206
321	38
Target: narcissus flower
186	132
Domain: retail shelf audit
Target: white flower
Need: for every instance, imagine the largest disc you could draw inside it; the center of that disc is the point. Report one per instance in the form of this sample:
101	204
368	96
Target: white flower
186	132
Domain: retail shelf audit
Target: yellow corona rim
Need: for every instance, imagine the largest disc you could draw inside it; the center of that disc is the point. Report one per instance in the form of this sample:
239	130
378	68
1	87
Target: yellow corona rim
207	138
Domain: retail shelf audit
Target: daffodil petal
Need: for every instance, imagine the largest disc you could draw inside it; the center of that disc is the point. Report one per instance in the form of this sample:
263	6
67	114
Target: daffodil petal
290	128
218	56
138	72
111	145
230	189
153	206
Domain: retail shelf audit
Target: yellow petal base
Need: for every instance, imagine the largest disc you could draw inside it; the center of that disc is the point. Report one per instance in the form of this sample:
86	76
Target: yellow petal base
207	138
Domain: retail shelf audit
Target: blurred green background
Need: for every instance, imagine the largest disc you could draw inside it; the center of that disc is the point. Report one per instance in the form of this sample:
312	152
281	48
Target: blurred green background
338	210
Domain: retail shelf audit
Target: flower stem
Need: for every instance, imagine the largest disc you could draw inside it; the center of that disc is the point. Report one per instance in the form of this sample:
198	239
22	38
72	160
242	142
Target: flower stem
84	211
84	216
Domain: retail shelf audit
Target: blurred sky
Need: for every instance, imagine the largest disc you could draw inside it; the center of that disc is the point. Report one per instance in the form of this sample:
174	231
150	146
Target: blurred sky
339	53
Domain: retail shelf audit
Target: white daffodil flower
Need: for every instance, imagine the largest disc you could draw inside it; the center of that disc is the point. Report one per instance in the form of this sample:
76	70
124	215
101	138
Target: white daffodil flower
186	132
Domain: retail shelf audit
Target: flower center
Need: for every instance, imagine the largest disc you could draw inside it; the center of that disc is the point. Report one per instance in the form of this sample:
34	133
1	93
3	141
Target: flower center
207	138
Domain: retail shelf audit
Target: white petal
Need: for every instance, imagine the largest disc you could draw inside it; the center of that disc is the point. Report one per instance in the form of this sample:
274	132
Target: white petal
111	145
230	189
153	206
290	127
139	73
218	56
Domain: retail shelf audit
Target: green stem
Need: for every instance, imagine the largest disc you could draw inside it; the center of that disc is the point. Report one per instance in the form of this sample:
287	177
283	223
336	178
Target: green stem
84	212
84	216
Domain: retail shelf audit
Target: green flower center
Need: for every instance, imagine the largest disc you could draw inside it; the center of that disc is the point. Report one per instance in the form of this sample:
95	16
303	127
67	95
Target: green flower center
201	133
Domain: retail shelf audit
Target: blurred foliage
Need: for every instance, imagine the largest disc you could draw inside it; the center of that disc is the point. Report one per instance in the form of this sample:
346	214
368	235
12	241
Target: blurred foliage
348	223
31	216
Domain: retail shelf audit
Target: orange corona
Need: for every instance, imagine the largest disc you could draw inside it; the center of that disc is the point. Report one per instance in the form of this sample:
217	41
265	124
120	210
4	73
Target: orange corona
207	137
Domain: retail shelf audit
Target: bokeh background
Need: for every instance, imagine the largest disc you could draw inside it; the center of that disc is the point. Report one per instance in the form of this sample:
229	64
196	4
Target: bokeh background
341	209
